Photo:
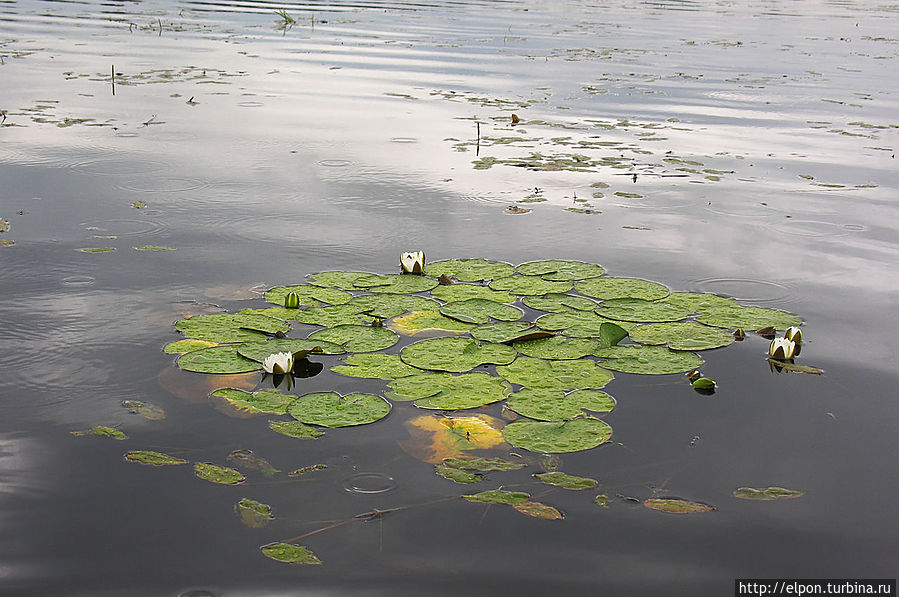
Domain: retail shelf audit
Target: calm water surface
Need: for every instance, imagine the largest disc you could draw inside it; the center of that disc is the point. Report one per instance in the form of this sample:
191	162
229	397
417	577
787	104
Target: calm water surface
763	139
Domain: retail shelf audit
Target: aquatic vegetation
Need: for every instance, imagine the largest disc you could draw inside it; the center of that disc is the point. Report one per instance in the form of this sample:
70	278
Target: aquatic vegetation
102	431
677	506
412	263
567	481
252	513
153	458
278	363
290	554
215	473
767	494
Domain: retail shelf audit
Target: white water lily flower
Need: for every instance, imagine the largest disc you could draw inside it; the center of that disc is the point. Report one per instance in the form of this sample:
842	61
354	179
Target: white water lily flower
793	334
413	263
782	348
278	363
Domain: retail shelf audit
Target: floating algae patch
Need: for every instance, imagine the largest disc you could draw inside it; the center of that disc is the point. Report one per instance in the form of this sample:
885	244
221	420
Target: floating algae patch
444	391
547	404
453	293
555	302
677	506
470	270
101	431
252	513
295	429
748	317
620	288
264	401
558	270
508	331
767	494
186	345
386	306
479	310
648	360
433	438
561	375
230	327
153	458
149	411
455	354
217	359
357	338
498	496
290	554
687	335
427	321
554	437
375	366
641	310
557	347
308	295
529	285
330	409
567	481
215	473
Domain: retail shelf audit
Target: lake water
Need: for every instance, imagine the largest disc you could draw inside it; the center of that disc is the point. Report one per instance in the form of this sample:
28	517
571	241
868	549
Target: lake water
762	136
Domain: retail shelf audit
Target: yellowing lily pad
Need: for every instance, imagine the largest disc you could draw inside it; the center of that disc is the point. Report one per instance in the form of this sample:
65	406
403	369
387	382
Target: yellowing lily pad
257	351
357	338
478	310
498	496
627	309
648	360
529	285
290	554
295	429
469	270
547	404
263	401
452	293
252	513
427	321
557	347
455	354
218	474
748	318
767	494
330	409
559	270
560	375
677	506
538	510
508	331
217	359
699	302
153	458
395	283
375	366
619	288
230	327
687	335
444	391
434	438
567	481
308	295
554	437
555	302
386	306
334	315
186	345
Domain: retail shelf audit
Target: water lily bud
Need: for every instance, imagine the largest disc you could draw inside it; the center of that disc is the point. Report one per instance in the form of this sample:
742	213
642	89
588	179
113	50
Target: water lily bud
739	334
793	334
292	301
412	263
782	349
278	363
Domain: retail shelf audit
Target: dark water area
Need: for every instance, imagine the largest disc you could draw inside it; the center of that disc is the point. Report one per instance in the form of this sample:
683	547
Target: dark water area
762	136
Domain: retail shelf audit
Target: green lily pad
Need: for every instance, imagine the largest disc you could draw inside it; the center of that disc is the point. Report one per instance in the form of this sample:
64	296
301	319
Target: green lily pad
469	270
547	404
427	321
153	458
151	412
555	302
641	310
247	460
282	313
334	315
375	366
186	345
478	310
396	283
96	249
567	481
620	288
558	270
497	496
557	347
218	474
470	463
507	331
252	513
602	500
330	409
357	338
102	431
610	334
682	335
263	401
529	285
257	351
385	306
767	494
295	429
748	318
699	302
444	391
217	359
648	360
538	510
456	475
344	280
453	293
290	554
580	374
310	296
230	327
455	354
576	324
553	437
677	506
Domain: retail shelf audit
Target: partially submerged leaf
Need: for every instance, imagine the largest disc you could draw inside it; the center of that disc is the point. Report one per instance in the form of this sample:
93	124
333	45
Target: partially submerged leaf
151	412
290	554
230	327
621	288
547	404
508	331
455	354
767	494
687	335
559	270
252	513
375	366
456	475
295	429
427	321
217	359
186	345
469	270
308	295
344	280
334	315
538	510
386	306
247	460
330	409
153	458
444	391
102	431
677	506
257	351
557	437
529	285
498	496
263	401
648	360
479	310
567	481
788	366
357	338
561	375
434	438
214	473
470	463
577	324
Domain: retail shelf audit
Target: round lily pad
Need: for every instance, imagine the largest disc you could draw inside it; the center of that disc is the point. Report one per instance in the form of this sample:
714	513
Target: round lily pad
257	351
452	293
557	347
358	338
153	458
295	429
386	306
478	310
577	324
677	506
290	554
552	437
547	404
230	327
567	481
617	288
396	283
559	270
218	474
330	409
506	331
310	296
469	270
687	335
334	315
186	345
426	321
375	366
443	391
561	375
455	354
435	437
529	285
263	401
748	318
217	359
555	302
699	302
344	280
648	360
627	309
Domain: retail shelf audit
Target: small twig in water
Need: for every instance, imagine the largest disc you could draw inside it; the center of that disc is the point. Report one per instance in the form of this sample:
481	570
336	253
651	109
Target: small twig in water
112	78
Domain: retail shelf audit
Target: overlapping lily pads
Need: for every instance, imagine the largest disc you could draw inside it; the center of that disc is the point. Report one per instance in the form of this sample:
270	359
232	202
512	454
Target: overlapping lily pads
620	288
561	375
529	285
559	270
699	302
553	437
395	283
385	306
455	354
330	409
452	293
444	391
230	327
557	347
417	322
687	335
577	324
217	359
263	401
479	310
337	279
547	404
508	331
470	270
357	338
257	351
334	315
